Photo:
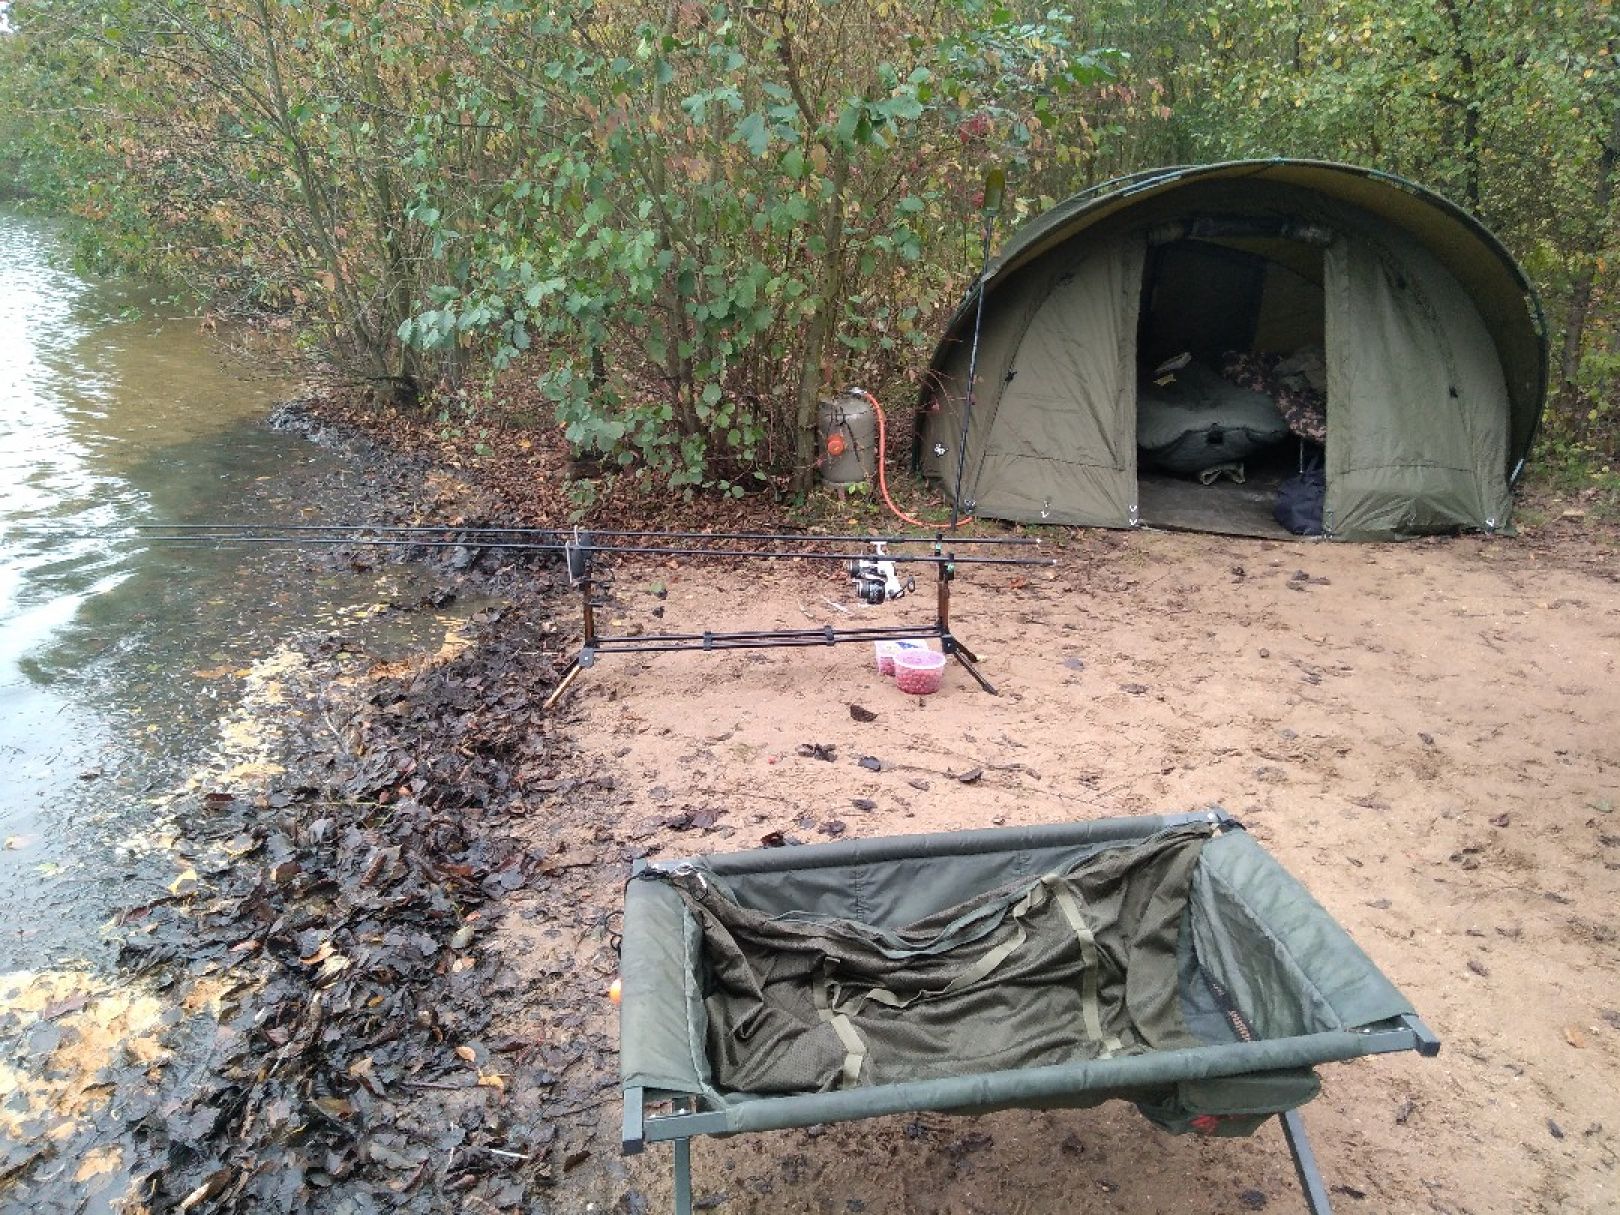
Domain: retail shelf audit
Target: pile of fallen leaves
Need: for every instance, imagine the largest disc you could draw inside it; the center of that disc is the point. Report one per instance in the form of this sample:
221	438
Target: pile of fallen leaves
339	921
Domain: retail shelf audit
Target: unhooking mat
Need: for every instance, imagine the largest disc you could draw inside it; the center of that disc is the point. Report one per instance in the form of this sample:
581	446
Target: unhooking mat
1171	962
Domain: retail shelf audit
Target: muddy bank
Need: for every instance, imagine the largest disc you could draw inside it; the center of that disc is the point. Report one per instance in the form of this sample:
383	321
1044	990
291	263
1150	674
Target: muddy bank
309	1011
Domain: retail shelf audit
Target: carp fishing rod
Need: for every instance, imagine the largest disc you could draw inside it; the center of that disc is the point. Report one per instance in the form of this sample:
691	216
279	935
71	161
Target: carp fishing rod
490	529
224	540
873	572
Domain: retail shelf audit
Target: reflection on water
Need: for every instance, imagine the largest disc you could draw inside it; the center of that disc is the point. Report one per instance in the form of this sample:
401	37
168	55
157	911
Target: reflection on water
113	411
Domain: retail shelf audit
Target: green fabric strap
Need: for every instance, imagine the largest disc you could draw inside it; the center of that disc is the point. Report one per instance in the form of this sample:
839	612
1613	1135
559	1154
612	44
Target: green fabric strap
982	969
1090	1009
854	1046
973	925
836	1011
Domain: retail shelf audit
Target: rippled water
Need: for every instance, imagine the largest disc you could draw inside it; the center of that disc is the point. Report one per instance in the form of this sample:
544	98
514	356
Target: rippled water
115	410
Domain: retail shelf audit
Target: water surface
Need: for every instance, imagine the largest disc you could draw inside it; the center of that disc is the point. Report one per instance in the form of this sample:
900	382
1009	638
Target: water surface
115	656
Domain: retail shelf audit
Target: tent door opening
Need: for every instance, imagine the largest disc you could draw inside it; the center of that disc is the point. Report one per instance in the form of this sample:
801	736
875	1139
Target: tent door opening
1231	373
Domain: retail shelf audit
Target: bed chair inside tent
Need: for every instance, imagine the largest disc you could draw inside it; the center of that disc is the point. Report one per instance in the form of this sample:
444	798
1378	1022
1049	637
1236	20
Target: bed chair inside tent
1178	347
1168	961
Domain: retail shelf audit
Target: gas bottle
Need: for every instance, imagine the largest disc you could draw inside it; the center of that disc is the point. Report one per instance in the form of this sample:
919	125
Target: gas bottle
846	435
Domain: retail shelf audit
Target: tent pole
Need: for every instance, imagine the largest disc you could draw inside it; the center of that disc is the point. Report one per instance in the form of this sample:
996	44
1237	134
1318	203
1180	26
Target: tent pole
995	182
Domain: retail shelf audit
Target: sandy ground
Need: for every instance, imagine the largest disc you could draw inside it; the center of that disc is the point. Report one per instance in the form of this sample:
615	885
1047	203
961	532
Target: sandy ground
1425	734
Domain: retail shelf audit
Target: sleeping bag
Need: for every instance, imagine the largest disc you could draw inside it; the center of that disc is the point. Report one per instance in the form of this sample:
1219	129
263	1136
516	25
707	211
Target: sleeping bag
1198	420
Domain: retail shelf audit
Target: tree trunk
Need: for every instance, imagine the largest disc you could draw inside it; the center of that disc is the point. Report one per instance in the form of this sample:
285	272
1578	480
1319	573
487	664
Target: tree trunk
1580	295
1469	100
829	289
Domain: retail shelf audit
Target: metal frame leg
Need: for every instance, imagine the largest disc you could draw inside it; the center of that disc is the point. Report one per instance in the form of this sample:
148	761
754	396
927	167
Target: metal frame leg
1310	1178
570	674
683	1177
968	658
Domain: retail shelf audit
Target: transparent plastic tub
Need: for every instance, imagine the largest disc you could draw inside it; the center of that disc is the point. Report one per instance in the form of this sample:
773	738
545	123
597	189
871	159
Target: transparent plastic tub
886	650
919	672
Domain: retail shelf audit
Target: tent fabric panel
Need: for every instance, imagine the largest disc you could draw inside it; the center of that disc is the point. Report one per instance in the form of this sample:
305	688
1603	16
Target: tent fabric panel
1409	433
1038	489
1290	312
1401	501
1480	383
1071	389
1003	330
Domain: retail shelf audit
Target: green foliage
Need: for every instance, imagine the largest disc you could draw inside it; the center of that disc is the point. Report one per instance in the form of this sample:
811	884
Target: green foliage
664	234
684	218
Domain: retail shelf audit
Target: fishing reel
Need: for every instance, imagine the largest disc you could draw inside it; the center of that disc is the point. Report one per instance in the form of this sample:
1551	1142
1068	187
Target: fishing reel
875	578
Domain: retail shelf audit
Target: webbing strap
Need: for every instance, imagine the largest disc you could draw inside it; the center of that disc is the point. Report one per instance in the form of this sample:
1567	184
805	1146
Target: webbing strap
854	1046
1090	1007
965	929
982	969
837	1011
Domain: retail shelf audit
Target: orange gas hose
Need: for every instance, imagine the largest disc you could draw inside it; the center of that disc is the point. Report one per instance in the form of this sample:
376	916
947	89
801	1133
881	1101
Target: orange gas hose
883	459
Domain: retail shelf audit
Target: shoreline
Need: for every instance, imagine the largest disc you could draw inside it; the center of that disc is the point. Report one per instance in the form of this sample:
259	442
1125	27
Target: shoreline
309	1011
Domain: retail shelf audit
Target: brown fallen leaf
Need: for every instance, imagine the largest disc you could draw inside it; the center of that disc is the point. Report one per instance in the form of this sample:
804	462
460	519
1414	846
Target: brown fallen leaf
211	1188
285	872
1574	1036
862	713
320	955
97	1161
61	1008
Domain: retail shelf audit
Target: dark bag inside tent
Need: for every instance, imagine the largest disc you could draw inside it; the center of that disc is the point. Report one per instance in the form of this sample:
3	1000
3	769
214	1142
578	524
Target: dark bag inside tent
1301	497
1166	961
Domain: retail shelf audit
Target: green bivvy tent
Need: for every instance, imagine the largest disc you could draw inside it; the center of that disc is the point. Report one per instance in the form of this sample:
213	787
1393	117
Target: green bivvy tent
1425	337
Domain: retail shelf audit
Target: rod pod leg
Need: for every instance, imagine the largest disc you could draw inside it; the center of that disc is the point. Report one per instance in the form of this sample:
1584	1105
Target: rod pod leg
570	673
969	660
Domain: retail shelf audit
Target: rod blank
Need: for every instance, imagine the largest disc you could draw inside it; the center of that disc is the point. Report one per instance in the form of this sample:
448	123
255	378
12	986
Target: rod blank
198	540
942	537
